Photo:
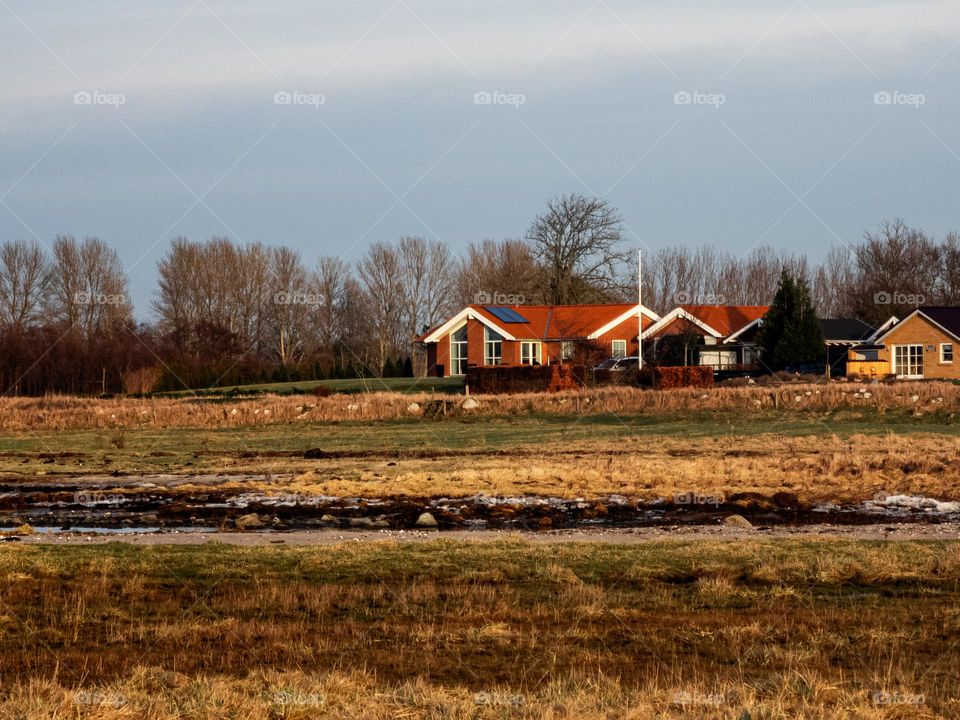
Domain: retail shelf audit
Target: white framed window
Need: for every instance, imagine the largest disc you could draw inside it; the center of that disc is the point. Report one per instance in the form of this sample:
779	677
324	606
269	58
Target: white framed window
492	347
619	348
946	352
530	353
908	360
458	351
567	349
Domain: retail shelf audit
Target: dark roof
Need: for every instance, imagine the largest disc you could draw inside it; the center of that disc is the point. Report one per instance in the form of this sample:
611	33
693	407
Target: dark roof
946	317
845	329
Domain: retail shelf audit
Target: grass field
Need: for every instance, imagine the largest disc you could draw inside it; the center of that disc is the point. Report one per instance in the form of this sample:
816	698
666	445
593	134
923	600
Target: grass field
489	630
347	386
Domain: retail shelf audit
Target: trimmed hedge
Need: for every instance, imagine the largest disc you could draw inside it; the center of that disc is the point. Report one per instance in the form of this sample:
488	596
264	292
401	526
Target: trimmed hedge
669	378
524	378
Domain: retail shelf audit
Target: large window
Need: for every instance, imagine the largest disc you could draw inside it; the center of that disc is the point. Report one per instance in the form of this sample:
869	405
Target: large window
530	353
458	351
619	348
492	347
946	352
908	360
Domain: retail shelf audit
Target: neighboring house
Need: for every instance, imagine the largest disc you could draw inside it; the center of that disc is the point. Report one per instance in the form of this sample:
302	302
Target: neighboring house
922	345
721	336
839	336
488	336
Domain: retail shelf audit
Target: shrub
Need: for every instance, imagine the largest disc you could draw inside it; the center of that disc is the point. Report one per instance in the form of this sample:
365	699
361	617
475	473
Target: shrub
669	378
525	378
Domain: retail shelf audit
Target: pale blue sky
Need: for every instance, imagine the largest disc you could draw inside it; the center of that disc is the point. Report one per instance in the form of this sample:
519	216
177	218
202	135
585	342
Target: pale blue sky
799	155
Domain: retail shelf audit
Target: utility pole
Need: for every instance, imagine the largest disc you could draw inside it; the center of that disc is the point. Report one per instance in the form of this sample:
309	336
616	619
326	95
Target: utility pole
639	310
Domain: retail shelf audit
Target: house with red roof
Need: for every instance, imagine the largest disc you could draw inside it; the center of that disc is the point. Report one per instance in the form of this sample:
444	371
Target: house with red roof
721	336
490	336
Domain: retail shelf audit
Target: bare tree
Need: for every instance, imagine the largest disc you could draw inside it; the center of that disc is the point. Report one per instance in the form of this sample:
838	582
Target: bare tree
329	313
290	300
88	286
576	243
380	275
426	270
949	281
493	269
24	278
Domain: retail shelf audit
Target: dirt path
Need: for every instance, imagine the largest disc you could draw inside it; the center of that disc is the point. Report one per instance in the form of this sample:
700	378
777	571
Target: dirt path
901	531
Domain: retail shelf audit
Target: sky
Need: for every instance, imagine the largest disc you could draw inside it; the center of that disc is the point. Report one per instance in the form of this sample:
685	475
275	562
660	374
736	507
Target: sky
327	126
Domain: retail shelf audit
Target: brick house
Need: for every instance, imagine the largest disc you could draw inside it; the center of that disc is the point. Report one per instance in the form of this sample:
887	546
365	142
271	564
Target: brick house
722	336
488	336
922	345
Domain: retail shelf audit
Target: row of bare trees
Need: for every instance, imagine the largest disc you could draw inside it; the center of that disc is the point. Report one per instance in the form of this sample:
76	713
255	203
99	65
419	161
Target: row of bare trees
229	313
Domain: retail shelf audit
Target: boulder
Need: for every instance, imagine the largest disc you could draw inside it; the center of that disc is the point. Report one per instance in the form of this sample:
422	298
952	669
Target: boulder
361	522
248	522
426	520
737	521
328	518
413	408
470	404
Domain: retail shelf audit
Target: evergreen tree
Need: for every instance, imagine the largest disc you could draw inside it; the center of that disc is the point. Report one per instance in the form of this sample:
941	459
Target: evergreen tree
791	330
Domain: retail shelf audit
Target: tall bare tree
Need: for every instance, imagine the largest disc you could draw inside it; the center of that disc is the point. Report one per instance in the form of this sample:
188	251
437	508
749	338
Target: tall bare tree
289	308
577	244
380	274
88	286
494	268
24	279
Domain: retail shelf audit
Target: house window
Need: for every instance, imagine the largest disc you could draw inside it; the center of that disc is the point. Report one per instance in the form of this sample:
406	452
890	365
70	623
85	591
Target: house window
567	348
458	351
908	360
946	352
619	348
492	347
530	353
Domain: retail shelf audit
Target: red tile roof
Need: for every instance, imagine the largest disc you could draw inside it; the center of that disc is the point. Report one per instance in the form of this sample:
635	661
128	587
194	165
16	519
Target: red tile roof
727	319
555	322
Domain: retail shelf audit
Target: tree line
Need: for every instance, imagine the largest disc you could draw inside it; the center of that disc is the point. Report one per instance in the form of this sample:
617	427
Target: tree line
227	313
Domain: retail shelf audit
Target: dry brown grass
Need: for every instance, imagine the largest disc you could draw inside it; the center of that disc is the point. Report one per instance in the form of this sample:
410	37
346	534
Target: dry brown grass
72	413
508	630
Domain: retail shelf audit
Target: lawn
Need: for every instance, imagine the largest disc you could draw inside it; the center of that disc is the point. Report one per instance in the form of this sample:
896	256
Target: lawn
707	629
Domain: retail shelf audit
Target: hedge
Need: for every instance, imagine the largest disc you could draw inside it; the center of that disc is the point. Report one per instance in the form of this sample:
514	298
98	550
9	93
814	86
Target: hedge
524	378
668	378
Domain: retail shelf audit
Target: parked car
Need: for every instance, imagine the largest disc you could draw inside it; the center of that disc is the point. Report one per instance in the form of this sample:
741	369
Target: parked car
619	364
807	369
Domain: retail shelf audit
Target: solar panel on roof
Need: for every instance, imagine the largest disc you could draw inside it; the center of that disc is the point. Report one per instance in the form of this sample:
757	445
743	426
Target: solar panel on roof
507	315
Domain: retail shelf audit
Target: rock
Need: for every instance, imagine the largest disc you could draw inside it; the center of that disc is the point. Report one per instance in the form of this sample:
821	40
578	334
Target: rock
361	522
248	522
426	520
149	519
737	521
380	524
470	404
413	408
328	518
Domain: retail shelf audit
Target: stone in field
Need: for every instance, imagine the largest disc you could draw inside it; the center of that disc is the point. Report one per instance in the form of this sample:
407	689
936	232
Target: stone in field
737	521
426	520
